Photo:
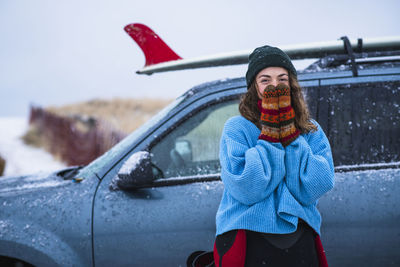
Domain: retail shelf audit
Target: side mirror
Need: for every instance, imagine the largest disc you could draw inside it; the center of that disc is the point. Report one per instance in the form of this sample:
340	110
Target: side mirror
136	172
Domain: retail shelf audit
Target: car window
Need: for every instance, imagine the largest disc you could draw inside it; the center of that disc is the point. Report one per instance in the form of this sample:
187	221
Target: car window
361	120
192	148
126	143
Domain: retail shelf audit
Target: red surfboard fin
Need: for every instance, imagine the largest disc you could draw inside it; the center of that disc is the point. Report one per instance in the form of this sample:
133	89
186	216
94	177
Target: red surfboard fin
154	48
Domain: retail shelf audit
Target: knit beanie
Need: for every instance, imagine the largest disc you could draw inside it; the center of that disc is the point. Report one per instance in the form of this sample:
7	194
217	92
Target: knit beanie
267	56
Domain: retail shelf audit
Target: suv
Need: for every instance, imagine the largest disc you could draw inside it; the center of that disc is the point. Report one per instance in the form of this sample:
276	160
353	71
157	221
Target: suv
151	200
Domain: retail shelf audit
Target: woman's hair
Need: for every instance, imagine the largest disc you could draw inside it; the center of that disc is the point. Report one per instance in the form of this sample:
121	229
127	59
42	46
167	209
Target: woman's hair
248	106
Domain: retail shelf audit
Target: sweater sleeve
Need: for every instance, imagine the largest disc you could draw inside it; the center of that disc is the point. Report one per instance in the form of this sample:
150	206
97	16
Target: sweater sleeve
309	166
251	169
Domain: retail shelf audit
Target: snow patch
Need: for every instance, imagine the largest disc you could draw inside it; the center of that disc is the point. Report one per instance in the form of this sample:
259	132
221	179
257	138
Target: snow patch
133	162
21	158
46	184
3	225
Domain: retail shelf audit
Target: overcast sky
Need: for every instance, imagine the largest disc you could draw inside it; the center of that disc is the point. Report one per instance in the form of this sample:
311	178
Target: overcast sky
60	52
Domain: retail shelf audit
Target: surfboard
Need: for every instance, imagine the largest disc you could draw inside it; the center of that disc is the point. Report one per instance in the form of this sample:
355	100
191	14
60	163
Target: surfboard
160	57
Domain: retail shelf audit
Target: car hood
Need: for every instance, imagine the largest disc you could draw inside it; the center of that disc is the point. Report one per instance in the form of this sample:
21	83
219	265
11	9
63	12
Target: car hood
11	185
50	213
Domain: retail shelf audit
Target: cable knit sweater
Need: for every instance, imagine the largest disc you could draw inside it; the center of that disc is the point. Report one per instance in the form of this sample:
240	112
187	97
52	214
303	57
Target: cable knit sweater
268	187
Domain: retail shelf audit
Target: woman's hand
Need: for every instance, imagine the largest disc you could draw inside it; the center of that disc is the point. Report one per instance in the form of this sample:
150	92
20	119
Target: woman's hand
288	130
269	120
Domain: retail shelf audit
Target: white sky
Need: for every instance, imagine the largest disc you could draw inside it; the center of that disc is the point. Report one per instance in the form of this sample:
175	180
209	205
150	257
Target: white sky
59	52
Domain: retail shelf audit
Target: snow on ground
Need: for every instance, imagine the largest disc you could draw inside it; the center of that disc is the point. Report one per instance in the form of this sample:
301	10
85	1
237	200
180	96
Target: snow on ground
20	158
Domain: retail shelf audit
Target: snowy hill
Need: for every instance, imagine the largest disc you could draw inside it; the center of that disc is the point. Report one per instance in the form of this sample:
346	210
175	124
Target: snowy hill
20	158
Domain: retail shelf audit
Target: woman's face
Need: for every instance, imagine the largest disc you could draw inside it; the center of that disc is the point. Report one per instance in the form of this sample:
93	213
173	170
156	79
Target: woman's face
273	76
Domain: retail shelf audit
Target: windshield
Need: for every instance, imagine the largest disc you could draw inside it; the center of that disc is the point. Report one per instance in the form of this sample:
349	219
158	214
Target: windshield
127	142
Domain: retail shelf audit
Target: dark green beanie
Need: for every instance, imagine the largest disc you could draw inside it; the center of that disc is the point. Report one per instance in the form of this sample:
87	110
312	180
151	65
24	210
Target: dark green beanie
267	56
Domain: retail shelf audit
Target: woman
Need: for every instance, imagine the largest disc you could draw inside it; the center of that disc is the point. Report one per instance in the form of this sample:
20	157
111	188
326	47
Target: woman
275	164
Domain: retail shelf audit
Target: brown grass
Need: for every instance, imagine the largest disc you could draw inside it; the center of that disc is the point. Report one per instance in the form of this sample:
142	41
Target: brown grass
2	165
123	114
33	137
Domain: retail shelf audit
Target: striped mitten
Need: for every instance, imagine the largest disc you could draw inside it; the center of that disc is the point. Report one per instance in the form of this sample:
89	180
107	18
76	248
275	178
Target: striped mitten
288	130
270	115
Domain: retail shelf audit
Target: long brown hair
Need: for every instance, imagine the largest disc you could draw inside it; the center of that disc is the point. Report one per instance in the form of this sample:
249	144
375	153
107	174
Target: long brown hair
248	107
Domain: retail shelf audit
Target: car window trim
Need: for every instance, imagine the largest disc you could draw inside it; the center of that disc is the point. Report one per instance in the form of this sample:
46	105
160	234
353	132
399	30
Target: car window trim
367	166
184	118
184	180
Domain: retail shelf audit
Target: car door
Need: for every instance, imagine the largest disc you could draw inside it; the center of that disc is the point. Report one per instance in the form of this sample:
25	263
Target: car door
163	224
361	215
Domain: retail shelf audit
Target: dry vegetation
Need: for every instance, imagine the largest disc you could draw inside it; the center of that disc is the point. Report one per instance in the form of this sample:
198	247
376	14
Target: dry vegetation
2	165
124	114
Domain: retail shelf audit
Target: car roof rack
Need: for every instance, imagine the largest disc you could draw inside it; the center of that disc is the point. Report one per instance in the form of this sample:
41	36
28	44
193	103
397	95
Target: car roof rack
335	60
160	57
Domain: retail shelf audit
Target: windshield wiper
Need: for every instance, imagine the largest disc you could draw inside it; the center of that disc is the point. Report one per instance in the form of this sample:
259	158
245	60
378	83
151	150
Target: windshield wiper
69	173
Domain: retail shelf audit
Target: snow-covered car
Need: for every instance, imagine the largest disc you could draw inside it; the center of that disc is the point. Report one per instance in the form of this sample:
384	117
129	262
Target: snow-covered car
151	200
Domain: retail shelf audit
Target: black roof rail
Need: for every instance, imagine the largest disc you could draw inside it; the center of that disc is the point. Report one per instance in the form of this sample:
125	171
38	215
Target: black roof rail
349	50
335	60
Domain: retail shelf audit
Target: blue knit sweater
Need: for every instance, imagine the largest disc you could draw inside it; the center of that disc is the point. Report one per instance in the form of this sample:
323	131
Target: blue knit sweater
268	187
